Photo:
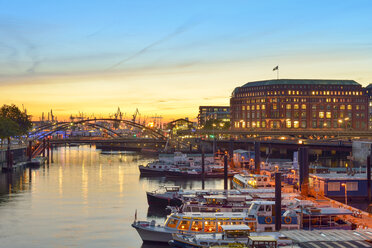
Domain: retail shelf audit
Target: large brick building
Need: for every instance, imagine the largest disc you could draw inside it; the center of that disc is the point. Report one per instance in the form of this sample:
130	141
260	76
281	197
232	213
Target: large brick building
299	104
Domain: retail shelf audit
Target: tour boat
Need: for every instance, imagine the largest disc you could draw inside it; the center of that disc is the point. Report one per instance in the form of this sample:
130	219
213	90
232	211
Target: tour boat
175	196
231	236
189	223
241	181
260	217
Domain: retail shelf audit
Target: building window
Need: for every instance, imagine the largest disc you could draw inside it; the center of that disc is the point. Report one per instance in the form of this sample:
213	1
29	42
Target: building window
289	106
349	107
328	115
314	124
303	106
263	106
303	124
321	114
352	186
295	106
296	124
333	186
289	114
342	107
288	123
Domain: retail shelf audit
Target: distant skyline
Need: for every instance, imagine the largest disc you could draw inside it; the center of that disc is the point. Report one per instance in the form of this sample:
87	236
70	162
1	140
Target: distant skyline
169	57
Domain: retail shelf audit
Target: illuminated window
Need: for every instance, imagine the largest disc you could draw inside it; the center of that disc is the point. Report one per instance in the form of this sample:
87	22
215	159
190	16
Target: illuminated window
243	107
275	106
303	106
288	123
252	107
296	106
313	93
248	107
243	124
328	115
263	124
349	107
296	124
342	107
357	107
263	106
258	107
321	114
258	124
253	124
289	106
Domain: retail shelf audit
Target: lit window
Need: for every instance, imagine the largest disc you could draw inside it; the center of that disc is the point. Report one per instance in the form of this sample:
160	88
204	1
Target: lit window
349	107
258	107
342	107
296	124
328	115
263	106
321	114
296	106
275	106
289	106
303	106
288	123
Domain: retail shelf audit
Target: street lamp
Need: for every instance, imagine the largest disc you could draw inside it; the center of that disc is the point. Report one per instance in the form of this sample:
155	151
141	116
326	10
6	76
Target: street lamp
345	186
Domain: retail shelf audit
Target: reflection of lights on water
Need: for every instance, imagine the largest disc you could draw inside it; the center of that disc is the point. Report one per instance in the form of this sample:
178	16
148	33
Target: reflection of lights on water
60	181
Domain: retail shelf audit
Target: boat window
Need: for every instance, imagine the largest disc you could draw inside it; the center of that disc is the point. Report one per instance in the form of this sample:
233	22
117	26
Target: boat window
268	208
172	223
197	226
209	226
262	208
184	225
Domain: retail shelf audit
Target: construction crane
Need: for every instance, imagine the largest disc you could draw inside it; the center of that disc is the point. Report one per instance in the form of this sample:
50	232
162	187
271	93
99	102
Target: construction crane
135	115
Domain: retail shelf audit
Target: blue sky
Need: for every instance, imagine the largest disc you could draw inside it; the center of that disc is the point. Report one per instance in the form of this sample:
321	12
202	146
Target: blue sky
194	52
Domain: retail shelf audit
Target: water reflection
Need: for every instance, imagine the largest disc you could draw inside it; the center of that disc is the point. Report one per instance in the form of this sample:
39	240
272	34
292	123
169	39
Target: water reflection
82	199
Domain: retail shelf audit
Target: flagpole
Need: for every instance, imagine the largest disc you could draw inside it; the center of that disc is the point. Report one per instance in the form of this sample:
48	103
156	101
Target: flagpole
277	74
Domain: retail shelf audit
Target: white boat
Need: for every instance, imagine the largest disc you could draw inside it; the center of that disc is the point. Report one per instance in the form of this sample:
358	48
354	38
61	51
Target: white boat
232	236
189	223
260	217
241	181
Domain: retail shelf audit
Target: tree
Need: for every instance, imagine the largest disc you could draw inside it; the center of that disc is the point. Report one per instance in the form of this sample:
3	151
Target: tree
8	128
14	122
13	113
215	124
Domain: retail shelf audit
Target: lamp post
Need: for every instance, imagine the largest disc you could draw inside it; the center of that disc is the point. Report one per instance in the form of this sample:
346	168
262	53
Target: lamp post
345	186
214	139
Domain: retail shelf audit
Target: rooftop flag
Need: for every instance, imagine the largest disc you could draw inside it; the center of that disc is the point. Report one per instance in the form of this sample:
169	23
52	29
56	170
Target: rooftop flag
276	68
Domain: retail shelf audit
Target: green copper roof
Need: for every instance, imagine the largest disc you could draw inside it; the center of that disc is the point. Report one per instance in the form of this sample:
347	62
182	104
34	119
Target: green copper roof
301	81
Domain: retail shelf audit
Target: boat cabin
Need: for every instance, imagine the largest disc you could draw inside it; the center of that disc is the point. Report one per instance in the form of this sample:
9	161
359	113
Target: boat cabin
207	222
235	231
325	218
262	241
252	181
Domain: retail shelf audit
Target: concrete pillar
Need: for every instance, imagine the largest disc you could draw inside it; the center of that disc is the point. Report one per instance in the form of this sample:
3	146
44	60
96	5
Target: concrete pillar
257	157
29	150
278	201
304	170
369	177
225	169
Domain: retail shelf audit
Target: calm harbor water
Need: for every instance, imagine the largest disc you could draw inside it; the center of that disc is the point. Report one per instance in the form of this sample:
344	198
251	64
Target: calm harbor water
83	199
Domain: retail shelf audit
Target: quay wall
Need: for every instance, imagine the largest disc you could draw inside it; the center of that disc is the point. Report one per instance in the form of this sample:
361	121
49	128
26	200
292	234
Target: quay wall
19	155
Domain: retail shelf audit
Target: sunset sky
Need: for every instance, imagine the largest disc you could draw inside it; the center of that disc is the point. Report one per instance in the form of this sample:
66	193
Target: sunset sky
169	57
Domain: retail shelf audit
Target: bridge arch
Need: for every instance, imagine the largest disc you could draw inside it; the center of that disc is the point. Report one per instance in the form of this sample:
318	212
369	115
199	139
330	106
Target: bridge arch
65	125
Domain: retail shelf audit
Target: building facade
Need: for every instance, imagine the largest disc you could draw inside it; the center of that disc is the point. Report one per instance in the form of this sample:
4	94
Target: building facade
206	113
299	104
368	91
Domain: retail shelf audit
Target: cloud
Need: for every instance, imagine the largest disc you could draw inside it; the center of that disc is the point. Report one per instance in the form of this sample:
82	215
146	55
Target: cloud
182	29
